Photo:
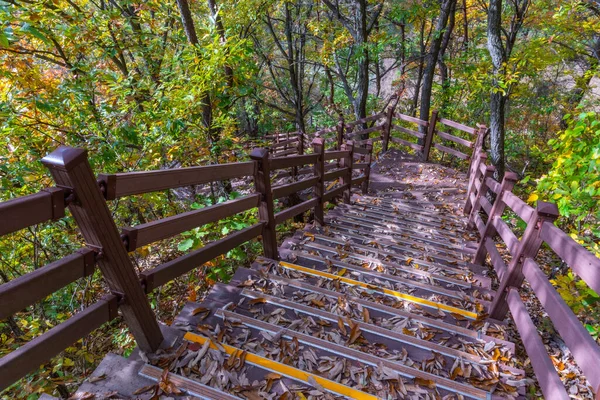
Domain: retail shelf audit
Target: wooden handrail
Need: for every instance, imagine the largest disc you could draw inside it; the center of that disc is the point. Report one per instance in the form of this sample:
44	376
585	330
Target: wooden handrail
549	381
294	187
25	290
584	348
293	161
455	139
21	212
130	183
458	126
144	234
172	269
291	212
577	257
39	350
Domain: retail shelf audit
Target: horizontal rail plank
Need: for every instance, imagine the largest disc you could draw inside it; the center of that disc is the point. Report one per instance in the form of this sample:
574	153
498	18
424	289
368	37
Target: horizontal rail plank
284	143
280	135
333	175
359	180
458	126
522	209
407	143
507	235
325	131
448	150
583	347
333	193
284	153
365	141
21	212
291	212
172	269
548	378
577	257
497	261
485	204
479	224
36	352
366	119
144	234
25	290
408	131
493	185
130	183
365	131
360	165
454	139
336	155
408	118
293	161
360	150
294	187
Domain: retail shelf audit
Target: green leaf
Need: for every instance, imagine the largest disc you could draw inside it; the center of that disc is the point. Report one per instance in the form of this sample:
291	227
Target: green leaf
3	39
26	28
185	245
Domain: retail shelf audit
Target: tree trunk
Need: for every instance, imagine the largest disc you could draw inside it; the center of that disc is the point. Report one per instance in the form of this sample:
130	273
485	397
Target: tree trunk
432	58
497	99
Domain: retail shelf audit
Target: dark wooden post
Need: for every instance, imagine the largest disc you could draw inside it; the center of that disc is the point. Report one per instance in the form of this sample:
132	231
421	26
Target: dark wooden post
262	185
509	181
429	135
318	145
340	132
368	160
347	163
481	159
388	128
477	148
482	192
300	142
528	248
70	168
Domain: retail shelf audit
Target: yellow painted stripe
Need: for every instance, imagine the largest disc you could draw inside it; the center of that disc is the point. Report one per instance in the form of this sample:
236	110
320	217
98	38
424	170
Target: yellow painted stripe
286	370
403	296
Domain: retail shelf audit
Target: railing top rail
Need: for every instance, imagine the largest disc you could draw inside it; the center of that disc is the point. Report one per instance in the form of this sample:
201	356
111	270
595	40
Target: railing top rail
131	183
22	212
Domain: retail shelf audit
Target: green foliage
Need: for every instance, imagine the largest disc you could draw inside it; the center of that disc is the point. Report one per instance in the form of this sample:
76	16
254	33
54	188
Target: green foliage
573	181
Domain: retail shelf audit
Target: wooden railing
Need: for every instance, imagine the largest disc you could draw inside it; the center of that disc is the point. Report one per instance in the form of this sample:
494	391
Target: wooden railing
107	246
486	217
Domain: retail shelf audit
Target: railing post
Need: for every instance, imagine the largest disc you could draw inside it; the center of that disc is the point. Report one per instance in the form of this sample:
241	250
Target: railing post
429	135
340	132
509	181
318	145
70	168
388	128
477	148
483	189
262	185
481	159
300	142
528	248
347	163
368	160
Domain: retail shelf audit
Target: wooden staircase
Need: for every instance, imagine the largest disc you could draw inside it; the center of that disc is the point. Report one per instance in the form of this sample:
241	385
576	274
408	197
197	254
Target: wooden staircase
381	302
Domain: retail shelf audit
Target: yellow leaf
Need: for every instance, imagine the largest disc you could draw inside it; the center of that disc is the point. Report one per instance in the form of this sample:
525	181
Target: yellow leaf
533	197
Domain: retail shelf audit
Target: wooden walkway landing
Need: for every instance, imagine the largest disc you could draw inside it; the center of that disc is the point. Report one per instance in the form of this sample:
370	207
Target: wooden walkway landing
382	302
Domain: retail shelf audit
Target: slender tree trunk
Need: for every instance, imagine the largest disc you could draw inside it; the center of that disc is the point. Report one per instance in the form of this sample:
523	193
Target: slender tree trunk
432	57
497	99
